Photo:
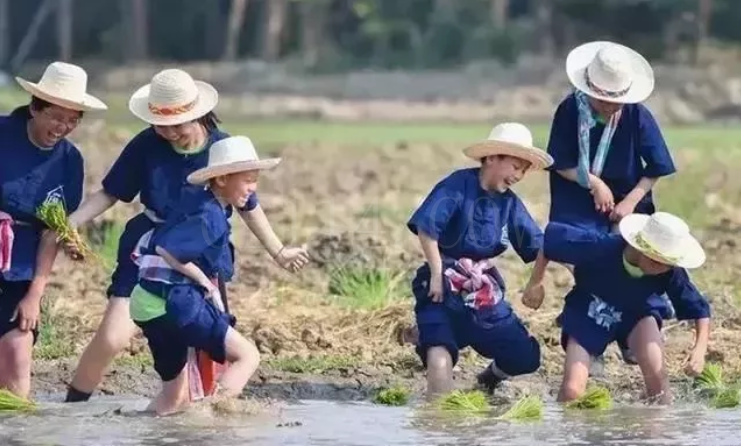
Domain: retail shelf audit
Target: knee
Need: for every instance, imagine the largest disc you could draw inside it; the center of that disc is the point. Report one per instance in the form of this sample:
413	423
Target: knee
439	359
112	341
245	351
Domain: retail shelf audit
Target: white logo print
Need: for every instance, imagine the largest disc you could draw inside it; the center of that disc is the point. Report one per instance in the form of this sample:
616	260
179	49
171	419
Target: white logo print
55	196
504	239
604	314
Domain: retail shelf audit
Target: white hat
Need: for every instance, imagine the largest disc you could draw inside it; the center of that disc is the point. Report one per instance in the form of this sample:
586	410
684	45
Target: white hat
65	85
610	72
513	139
173	98
663	237
231	155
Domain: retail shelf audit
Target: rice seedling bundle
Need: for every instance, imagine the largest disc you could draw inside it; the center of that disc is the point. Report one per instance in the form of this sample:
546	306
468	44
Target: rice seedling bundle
10	402
529	407
54	216
595	398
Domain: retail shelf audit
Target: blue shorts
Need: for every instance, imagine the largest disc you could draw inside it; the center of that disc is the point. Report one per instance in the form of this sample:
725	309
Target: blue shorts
126	275
506	340
576	323
11	294
190	321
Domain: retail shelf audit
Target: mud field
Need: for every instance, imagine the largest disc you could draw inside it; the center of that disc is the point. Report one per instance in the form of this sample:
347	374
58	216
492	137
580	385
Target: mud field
332	331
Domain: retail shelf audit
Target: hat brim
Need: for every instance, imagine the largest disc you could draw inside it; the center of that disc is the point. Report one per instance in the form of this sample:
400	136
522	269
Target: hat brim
86	103
643	75
538	158
693	256
208	97
201	176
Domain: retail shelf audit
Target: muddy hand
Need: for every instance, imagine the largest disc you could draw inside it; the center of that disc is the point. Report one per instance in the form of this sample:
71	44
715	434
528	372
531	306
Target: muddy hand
71	250
533	296
695	363
436	289
293	259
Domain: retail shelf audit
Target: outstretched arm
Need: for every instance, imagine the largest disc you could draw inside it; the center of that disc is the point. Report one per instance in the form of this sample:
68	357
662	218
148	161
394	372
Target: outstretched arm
291	259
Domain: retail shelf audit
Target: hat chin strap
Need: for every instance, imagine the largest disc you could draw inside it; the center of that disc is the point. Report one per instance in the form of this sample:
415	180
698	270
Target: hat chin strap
602	92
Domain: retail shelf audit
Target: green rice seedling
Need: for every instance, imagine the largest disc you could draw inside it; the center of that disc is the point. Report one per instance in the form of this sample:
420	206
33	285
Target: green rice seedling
474	401
10	402
726	398
595	398
54	216
392	396
710	380
529	407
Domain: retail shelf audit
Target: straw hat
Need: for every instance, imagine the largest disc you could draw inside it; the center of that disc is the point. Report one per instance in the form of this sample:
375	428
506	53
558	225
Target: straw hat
231	155
65	85
513	139
663	237
173	98
610	72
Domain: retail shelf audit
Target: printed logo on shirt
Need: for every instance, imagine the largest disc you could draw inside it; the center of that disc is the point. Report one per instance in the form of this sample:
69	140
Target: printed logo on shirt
55	196
603	314
504	239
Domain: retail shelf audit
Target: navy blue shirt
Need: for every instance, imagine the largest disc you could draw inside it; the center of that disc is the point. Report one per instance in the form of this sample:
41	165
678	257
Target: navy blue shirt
600	271
149	167
637	150
470	222
30	177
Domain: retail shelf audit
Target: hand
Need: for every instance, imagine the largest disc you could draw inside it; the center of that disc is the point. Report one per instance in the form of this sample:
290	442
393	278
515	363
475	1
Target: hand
436	288
213	293
695	363
292	259
621	210
28	310
533	295
604	201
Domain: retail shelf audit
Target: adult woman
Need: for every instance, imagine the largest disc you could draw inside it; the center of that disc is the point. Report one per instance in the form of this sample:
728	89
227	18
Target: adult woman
155	165
40	166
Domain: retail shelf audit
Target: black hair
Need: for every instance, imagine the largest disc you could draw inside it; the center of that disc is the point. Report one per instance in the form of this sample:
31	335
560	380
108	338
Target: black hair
209	121
37	104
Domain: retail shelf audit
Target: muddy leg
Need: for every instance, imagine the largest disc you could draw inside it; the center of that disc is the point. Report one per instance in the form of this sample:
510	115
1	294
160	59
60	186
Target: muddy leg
576	372
244	358
16	351
439	371
646	342
113	335
174	396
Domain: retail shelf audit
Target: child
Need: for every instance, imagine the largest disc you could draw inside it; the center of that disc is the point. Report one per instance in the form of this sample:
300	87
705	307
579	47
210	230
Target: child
608	150
39	166
177	303
468	219
617	276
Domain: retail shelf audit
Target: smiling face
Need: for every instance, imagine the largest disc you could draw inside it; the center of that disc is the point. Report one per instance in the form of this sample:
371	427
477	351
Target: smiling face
189	135
51	123
500	172
235	189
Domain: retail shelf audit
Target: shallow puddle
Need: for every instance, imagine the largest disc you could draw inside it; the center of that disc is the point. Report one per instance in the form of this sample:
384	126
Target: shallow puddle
107	421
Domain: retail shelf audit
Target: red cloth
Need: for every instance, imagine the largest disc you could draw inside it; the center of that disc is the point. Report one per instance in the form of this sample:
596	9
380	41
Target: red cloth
472	282
6	241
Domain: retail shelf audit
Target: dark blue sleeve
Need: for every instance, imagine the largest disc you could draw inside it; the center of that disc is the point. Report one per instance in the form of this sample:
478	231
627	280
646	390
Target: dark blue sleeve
570	244
525	235
653	149
251	204
74	179
188	237
433	215
688	302
563	143
126	177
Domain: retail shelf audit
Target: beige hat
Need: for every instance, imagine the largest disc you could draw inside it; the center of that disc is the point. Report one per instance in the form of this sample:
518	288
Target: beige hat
663	237
65	85
610	72
173	98
513	139
231	155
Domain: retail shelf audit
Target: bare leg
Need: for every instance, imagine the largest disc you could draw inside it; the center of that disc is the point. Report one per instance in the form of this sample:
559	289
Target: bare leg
439	371
646	342
576	372
16	351
244	358
113	335
174	396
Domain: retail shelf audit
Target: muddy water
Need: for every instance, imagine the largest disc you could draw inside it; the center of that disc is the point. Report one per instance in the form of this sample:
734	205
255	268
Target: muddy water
117	422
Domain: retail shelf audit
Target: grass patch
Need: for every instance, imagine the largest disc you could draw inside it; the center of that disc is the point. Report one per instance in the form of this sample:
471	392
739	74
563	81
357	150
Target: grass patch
366	288
392	396
141	360
595	398
311	364
529	407
56	340
459	401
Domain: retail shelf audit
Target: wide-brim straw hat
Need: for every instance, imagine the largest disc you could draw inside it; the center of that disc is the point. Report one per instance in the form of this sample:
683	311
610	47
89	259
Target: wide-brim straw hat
65	85
173	97
231	155
664	238
512	139
610	72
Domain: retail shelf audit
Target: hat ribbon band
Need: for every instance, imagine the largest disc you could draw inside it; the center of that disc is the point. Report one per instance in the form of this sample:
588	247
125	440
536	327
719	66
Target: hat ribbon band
648	248
172	111
603	92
